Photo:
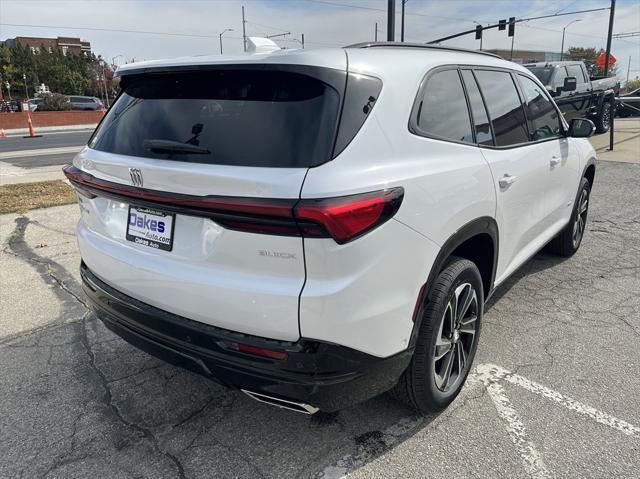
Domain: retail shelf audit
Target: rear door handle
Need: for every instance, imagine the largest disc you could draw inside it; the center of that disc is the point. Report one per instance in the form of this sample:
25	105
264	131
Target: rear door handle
555	161
507	180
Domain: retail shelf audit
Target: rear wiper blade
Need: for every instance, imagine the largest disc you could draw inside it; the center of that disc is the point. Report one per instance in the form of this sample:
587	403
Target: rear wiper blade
168	146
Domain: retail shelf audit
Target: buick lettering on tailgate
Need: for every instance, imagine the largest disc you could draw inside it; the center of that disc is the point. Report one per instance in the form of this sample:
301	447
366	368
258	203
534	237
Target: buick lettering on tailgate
150	228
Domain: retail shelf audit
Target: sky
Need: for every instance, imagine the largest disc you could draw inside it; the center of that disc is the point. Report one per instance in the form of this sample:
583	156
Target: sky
191	27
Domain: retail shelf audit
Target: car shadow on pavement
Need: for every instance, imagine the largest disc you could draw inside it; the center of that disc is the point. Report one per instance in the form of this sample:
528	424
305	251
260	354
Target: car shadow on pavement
540	262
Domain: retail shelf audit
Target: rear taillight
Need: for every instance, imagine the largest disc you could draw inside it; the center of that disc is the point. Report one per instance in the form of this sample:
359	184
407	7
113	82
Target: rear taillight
347	217
343	218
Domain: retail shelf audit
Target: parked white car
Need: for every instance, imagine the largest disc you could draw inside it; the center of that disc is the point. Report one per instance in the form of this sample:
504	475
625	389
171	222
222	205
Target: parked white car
317	227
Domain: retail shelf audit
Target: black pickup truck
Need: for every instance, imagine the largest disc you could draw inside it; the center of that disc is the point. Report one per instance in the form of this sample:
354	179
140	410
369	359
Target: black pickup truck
577	94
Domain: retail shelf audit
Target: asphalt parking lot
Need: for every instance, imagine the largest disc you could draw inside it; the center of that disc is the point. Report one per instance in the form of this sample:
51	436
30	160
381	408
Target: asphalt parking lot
554	393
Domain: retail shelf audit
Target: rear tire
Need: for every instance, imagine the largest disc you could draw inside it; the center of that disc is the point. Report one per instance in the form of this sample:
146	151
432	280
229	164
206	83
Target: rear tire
569	239
603	120
447	339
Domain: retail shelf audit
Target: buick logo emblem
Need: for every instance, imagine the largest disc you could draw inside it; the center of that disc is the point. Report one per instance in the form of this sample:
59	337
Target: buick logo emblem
136	176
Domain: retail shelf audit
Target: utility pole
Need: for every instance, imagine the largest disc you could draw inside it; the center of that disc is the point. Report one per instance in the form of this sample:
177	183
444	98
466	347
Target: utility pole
391	20
244	32
402	22
628	70
302	34
375	35
608	54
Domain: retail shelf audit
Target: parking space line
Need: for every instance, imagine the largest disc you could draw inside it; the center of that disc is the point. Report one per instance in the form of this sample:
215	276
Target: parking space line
490	374
532	459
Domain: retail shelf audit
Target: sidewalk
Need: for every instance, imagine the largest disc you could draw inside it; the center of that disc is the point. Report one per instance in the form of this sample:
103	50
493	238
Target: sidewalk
50	129
626	146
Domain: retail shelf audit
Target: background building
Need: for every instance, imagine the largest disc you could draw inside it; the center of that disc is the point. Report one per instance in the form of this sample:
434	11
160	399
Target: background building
526	56
68	45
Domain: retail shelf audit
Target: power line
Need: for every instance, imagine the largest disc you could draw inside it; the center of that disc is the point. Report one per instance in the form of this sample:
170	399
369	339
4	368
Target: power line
115	30
384	10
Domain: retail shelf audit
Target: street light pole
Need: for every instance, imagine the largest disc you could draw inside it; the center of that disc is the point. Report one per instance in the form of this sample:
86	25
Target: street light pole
225	31
563	30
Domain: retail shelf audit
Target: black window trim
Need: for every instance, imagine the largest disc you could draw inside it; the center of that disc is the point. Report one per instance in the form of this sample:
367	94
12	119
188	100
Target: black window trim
484	104
517	85
416	107
473	69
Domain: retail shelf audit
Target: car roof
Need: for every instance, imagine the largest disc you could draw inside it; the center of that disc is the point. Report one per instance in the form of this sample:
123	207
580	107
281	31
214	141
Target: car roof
374	58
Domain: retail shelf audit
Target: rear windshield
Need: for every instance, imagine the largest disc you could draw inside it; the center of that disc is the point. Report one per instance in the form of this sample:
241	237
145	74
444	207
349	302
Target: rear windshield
542	73
234	117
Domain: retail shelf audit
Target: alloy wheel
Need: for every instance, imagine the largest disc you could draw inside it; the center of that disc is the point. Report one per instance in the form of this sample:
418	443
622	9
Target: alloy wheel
581	218
456	336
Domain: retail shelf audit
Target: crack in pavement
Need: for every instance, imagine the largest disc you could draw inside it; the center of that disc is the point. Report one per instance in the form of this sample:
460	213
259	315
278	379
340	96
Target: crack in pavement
108	401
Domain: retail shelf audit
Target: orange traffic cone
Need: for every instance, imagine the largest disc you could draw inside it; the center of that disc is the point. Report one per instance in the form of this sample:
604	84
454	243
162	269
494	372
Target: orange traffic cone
3	134
32	131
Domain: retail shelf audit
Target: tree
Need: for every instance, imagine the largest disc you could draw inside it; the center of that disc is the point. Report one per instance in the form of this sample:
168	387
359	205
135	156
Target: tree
589	57
67	74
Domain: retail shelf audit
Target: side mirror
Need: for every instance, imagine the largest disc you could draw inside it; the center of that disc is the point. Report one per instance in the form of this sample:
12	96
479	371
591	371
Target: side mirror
570	84
581	128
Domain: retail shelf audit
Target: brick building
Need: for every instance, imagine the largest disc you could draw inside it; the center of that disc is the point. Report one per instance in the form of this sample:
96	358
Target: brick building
68	45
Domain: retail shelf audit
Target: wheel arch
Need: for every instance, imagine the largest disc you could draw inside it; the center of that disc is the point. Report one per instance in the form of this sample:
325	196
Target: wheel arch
470	242
589	171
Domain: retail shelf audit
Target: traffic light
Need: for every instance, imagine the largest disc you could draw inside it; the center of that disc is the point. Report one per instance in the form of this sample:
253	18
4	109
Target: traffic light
478	32
512	26
502	25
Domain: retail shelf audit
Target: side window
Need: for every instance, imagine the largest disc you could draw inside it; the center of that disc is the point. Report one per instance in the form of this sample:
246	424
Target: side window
480	118
558	78
544	121
442	111
576	71
505	109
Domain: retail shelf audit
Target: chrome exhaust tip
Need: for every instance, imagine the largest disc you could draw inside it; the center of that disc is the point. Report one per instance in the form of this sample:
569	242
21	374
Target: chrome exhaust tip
282	403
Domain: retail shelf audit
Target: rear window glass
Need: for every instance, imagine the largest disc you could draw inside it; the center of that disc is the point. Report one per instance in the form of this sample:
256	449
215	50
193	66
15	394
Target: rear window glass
442	111
238	117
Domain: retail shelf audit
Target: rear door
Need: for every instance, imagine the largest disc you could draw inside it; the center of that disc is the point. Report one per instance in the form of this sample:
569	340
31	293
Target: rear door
234	142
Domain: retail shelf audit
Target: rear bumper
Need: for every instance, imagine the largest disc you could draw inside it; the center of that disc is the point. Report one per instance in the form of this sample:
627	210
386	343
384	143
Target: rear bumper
324	375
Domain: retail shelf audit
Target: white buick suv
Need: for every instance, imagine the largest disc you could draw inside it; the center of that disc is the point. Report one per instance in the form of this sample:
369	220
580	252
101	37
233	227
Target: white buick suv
314	228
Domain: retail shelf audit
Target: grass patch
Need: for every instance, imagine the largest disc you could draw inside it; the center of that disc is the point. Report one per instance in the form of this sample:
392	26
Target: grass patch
22	197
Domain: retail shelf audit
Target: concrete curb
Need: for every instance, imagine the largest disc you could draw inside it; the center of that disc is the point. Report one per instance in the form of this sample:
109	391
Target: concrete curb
49	129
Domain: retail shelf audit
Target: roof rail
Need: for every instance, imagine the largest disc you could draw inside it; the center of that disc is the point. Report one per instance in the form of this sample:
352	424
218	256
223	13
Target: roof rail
419	45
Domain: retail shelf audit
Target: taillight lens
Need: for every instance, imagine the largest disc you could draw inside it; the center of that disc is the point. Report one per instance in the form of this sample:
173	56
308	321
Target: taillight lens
343	218
346	218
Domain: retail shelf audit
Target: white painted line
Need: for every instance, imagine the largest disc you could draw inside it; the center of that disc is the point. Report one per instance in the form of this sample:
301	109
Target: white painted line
531	458
494	373
40	152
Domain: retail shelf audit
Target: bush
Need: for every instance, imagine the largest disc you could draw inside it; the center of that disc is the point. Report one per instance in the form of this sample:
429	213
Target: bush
632	85
54	102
